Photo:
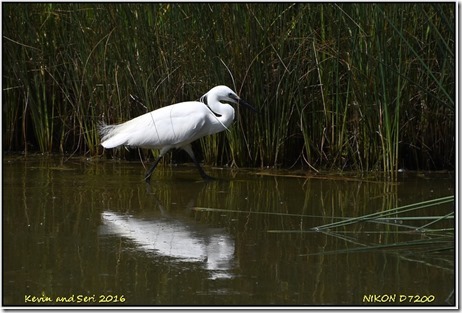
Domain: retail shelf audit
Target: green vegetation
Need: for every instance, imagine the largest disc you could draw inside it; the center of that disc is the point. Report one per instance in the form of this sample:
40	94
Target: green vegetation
354	86
398	230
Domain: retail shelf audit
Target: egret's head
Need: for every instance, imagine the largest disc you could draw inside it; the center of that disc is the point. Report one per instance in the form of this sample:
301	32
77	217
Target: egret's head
224	93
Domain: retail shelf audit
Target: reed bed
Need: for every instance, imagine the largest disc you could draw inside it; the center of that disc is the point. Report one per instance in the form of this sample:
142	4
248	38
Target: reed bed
354	86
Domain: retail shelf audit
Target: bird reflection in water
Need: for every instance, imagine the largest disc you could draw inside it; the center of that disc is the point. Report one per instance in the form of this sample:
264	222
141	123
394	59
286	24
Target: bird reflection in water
179	238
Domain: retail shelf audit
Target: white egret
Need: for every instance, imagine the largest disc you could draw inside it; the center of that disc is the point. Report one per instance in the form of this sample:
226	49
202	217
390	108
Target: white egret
176	125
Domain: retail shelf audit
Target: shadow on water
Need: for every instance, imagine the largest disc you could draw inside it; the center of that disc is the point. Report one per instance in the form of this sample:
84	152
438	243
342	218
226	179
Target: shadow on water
85	228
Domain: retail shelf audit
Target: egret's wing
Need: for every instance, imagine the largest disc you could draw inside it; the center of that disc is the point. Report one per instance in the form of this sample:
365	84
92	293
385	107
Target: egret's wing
170	126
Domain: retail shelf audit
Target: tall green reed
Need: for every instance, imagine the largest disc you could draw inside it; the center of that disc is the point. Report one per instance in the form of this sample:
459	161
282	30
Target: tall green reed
354	86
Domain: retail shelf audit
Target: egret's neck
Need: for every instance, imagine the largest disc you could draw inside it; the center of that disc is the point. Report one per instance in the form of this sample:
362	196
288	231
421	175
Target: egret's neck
224	110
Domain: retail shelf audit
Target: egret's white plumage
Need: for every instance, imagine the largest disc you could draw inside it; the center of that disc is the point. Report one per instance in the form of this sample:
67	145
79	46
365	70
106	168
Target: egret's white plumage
176	125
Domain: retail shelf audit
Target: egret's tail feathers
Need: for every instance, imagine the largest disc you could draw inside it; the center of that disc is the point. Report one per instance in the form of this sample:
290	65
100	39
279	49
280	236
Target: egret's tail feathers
110	135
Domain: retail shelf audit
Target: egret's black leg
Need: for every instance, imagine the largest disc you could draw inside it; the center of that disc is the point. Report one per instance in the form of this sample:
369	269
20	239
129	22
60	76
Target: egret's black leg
147	176
204	176
201	170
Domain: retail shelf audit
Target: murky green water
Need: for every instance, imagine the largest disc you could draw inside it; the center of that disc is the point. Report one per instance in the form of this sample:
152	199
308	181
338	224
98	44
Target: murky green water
90	232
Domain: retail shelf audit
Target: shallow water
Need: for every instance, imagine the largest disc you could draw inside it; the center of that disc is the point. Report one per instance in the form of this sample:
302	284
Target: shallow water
89	232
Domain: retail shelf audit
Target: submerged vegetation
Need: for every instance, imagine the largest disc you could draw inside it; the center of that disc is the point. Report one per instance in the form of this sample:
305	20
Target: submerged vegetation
339	86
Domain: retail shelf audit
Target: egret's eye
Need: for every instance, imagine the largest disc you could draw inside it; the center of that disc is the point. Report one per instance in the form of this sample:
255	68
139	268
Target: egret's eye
233	97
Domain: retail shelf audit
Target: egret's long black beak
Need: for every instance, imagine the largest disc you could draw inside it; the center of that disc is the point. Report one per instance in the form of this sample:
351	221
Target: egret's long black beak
246	105
243	103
